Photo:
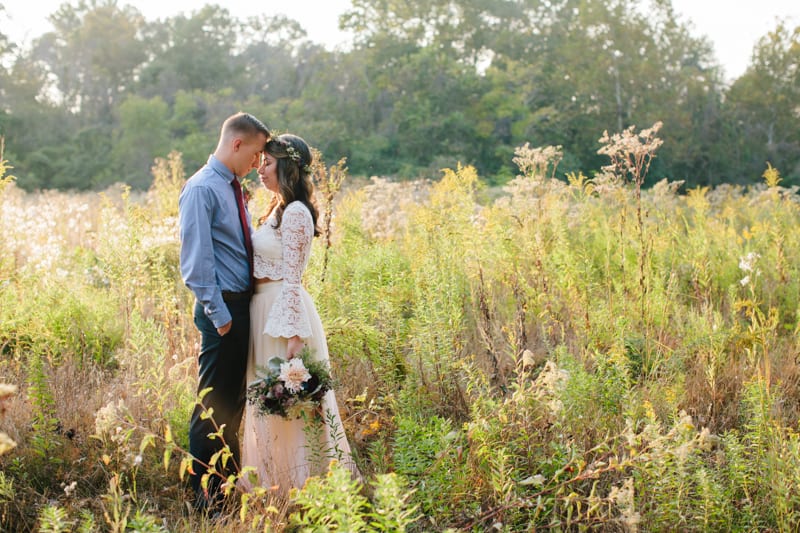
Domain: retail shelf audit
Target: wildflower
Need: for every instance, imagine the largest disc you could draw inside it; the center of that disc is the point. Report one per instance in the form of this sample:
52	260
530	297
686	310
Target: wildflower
69	489
684	450
744	281
623	497
108	416
537	480
137	460
371	429
631	153
7	390
294	374
549	383
6	443
385	209
528	359
606	183
534	162
277	390
706	441
748	262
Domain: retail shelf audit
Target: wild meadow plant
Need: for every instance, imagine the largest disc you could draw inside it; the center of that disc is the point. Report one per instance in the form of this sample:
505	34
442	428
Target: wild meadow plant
554	354
88	289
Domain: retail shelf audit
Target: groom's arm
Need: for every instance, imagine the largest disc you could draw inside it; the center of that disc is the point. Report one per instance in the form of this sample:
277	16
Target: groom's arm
198	267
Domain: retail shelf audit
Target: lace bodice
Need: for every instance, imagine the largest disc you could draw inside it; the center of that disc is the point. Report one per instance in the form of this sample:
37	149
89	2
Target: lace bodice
282	254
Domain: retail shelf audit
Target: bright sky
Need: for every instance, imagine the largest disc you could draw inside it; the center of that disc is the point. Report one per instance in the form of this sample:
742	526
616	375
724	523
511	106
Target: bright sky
733	26
27	19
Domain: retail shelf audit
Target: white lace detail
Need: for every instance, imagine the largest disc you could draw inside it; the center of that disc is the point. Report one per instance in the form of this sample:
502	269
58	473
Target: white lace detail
267	253
266	267
288	316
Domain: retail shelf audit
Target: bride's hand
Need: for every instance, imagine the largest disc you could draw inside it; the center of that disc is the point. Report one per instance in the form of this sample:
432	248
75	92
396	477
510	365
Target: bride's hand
295	345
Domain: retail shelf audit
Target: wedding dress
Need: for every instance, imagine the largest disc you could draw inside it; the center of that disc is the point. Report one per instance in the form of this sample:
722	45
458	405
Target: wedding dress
284	452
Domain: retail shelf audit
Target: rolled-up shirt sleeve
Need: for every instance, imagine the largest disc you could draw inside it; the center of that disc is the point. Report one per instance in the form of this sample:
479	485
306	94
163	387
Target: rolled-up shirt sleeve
197	253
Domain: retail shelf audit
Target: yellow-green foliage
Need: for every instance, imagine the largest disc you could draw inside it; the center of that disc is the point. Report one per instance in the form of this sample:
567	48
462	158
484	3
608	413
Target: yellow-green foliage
579	354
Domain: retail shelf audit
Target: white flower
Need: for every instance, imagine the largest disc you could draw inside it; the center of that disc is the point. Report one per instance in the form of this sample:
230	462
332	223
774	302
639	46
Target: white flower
69	489
293	374
745	280
107	418
748	262
537	480
528	359
7	390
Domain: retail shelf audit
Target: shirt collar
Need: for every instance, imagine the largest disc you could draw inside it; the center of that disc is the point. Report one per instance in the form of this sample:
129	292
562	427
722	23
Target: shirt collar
220	168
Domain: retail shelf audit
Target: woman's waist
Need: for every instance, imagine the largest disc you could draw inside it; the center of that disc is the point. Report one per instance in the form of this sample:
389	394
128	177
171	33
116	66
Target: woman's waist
264	284
267	267
268	284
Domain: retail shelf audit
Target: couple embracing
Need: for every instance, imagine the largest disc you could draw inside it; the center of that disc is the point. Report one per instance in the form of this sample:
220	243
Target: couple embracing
250	307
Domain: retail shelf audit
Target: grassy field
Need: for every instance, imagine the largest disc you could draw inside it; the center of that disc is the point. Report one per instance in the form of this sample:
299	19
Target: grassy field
566	355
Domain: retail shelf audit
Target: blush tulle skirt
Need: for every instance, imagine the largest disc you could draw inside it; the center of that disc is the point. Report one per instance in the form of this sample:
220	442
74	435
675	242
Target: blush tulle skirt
284	453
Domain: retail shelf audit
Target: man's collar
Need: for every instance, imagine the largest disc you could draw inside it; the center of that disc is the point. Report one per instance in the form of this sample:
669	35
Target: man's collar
220	168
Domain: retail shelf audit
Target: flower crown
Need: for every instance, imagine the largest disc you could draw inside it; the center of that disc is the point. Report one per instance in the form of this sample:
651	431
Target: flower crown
294	155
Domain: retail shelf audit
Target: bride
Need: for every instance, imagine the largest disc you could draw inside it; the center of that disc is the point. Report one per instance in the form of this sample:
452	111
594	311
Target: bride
283	318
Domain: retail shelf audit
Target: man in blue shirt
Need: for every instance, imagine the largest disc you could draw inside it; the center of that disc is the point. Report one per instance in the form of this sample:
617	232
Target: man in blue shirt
216	266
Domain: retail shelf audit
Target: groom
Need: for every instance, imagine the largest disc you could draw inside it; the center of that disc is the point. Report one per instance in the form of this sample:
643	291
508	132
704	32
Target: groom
216	264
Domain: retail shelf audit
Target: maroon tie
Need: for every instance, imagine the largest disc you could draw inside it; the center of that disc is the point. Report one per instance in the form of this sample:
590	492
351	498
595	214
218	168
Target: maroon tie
248	243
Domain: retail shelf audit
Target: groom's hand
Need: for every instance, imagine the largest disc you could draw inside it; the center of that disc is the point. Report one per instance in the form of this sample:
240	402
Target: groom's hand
223	330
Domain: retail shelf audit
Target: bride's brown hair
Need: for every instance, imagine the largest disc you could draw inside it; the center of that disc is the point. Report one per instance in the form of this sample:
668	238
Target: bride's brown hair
293	168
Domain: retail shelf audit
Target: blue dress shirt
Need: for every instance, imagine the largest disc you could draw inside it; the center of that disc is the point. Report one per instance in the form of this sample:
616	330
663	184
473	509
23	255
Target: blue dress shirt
213	254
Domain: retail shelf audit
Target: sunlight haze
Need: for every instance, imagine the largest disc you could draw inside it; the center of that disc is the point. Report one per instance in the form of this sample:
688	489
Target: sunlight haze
733	27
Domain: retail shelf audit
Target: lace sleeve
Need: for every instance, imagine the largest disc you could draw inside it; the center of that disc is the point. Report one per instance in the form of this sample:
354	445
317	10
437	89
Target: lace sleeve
288	316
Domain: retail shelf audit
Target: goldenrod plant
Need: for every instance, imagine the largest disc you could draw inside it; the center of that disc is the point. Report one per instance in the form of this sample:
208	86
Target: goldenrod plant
562	352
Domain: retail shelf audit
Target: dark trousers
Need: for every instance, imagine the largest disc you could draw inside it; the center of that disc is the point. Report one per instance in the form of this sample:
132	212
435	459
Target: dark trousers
222	367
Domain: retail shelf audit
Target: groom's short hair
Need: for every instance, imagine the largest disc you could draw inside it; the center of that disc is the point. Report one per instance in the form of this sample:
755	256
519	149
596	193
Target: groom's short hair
244	124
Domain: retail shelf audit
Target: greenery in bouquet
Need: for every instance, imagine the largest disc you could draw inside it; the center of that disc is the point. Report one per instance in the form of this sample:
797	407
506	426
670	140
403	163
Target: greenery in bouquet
290	388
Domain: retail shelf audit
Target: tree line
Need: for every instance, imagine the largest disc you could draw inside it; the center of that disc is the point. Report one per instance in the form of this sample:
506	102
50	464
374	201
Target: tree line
424	85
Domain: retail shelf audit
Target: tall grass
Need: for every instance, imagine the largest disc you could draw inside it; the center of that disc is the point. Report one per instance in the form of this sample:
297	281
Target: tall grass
578	354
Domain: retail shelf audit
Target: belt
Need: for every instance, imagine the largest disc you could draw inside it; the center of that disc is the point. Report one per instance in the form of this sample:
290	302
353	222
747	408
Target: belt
230	296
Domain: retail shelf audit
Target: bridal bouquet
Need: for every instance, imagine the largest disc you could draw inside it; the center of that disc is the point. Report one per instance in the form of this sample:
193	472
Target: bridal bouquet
290	388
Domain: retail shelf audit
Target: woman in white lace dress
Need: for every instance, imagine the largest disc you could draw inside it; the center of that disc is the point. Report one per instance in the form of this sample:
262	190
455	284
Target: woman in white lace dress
283	319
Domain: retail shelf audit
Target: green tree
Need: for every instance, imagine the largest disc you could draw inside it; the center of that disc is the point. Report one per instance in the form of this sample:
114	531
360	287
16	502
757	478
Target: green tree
40	134
434	125
6	48
422	63
279	59
342	110
142	135
426	84
479	78
470	30
603	65
196	52
763	107
191	132
92	55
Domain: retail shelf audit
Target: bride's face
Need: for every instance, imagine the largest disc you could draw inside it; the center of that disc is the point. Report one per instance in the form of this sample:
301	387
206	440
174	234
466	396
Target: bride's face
268	172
